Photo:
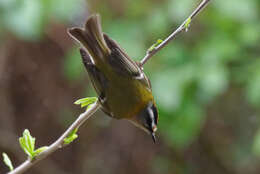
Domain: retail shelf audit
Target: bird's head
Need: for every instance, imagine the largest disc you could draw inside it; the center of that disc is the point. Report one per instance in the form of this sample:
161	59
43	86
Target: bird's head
147	119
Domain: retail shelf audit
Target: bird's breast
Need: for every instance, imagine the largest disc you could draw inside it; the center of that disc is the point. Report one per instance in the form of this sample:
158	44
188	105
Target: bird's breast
126	97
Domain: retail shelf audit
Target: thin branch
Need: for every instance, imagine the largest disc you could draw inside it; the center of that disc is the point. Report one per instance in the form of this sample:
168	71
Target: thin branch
181	28
58	143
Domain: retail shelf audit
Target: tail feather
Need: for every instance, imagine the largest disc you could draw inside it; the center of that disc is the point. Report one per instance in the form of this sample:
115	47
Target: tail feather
91	37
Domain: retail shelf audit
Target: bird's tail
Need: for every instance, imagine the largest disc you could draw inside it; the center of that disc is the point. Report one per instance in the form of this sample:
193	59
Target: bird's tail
91	37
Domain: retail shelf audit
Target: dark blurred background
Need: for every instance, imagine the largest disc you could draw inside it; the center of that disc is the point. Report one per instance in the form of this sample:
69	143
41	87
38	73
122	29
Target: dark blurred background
206	84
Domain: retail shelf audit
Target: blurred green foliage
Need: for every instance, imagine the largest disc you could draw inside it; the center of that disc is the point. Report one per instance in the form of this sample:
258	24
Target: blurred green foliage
28	18
220	50
73	66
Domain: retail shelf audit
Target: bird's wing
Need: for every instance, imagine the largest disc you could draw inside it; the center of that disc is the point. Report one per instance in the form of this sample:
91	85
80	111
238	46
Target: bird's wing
98	79
120	61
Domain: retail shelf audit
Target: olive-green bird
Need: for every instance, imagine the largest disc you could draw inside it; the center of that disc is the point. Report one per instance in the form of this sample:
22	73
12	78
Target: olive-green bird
124	90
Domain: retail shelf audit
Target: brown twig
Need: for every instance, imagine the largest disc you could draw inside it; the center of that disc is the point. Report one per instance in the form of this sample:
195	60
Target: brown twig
58	143
181	28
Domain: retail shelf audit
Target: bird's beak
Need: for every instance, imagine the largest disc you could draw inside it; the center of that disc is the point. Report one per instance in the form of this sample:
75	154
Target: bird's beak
154	137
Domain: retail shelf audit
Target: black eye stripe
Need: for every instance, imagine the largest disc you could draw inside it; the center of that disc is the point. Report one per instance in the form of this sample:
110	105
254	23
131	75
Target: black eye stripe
155	114
149	117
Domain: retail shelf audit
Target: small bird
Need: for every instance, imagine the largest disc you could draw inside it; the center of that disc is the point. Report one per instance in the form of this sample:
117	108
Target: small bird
123	89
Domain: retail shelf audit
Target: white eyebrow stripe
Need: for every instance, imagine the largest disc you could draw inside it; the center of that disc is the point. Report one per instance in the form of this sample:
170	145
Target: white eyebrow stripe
151	115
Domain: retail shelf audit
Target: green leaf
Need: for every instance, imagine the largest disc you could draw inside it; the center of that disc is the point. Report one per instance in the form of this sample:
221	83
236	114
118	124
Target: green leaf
40	150
86	101
187	24
71	137
24	146
155	45
7	161
27	142
68	140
